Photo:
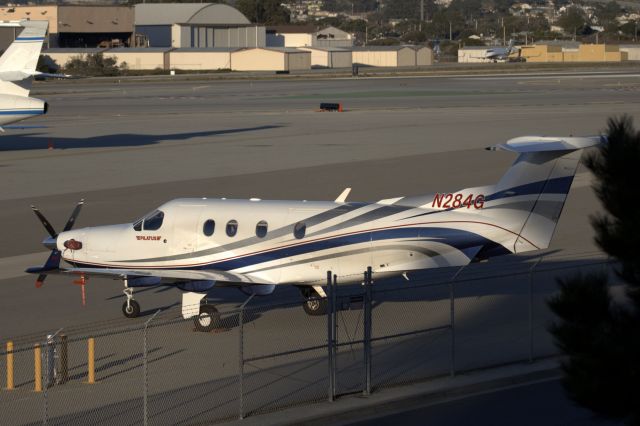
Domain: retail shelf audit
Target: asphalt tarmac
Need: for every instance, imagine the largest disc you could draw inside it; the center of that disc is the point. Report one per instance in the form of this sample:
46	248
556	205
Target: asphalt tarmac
127	147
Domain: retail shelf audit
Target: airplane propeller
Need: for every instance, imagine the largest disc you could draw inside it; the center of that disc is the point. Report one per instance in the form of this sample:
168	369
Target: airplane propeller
53	262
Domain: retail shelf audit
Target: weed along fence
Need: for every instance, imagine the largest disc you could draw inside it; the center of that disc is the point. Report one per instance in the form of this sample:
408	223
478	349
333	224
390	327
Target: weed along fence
268	355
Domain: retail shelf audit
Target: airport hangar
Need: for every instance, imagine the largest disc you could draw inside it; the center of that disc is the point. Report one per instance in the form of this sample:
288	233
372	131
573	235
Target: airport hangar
200	36
74	26
178	25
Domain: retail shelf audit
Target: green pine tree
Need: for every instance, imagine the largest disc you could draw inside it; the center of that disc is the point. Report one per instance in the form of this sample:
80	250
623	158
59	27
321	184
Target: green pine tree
599	336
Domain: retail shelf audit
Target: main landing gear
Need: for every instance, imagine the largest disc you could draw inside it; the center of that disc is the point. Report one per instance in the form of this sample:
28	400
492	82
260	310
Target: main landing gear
316	300
208	319
205	316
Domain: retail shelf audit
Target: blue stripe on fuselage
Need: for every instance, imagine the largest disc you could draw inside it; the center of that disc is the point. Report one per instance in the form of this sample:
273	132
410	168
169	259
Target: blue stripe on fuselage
551	186
22	112
456	238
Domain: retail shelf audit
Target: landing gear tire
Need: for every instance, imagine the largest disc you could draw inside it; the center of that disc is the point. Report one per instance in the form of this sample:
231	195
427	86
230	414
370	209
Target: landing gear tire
208	319
131	309
315	307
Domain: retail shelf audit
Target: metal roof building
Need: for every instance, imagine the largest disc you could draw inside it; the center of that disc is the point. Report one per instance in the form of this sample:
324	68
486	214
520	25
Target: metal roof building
385	56
198	25
329	57
216	58
270	59
307	36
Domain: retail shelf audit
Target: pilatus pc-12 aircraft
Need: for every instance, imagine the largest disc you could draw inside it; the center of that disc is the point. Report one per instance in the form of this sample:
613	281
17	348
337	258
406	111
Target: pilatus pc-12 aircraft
200	244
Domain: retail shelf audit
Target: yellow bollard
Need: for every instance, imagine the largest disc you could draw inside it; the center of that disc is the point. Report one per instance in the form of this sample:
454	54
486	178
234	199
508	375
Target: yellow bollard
9	365
91	373
37	368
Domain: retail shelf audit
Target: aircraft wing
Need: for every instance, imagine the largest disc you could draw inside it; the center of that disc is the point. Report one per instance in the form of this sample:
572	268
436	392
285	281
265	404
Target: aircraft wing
169	276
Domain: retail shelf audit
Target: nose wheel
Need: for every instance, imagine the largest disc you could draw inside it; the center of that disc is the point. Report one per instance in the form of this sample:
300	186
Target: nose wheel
130	308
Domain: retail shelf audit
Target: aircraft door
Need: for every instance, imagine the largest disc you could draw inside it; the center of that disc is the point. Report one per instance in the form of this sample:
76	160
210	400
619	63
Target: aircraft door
184	229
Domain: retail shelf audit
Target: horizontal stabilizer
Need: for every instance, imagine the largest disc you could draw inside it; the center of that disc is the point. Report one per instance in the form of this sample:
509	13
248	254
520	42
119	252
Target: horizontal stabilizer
52	75
543	143
14	76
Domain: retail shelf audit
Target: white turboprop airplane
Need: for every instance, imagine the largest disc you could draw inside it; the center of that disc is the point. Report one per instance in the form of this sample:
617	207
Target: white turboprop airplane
199	244
17	70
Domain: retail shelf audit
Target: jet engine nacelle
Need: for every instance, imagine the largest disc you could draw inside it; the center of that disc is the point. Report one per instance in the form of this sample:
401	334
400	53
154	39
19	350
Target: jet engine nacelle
15	108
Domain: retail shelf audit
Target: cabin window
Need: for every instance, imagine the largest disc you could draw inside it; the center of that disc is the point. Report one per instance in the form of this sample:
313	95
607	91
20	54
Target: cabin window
208	227
299	230
261	229
232	228
153	222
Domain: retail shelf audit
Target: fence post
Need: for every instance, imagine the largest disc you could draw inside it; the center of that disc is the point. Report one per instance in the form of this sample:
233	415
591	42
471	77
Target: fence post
64	360
452	319
334	333
367	332
145	390
330	341
241	356
9	365
531	307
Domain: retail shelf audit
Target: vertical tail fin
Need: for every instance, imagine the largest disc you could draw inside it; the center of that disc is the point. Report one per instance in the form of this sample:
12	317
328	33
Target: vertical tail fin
19	61
531	194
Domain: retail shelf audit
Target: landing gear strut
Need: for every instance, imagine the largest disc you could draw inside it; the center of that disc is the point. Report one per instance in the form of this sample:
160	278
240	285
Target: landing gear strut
130	308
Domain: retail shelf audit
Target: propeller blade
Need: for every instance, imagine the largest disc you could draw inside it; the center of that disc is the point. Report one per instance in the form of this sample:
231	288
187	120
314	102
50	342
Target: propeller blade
52	264
74	216
45	222
40	280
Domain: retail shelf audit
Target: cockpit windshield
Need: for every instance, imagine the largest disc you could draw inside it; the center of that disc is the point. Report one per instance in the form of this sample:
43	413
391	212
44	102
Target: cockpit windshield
151	222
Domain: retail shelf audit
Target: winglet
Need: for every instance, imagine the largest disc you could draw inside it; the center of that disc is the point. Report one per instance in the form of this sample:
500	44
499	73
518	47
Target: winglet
343	196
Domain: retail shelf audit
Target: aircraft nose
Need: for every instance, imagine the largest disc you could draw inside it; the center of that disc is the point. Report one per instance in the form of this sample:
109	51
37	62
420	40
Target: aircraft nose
51	243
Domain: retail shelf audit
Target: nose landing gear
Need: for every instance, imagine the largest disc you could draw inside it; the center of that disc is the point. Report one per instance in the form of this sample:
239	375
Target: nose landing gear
130	308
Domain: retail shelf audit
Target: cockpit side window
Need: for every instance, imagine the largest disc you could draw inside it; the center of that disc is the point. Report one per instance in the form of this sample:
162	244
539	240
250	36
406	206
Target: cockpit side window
153	222
137	226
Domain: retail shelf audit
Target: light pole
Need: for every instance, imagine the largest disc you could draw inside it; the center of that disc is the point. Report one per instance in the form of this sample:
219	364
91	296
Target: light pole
450	32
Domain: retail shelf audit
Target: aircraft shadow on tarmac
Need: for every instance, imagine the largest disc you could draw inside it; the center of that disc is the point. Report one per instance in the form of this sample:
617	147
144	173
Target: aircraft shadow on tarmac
33	141
483	282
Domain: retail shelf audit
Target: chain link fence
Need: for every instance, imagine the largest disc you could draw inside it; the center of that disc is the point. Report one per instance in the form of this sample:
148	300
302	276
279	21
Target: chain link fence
266	356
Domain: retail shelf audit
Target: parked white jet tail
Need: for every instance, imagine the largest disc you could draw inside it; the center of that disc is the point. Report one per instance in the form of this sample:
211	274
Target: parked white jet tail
18	63
533	191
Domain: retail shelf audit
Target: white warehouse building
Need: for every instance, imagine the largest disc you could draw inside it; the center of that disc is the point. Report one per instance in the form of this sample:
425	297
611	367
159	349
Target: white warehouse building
270	59
392	56
307	36
329	57
196	25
